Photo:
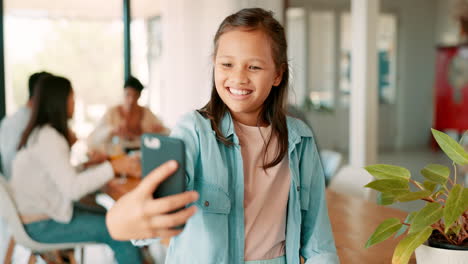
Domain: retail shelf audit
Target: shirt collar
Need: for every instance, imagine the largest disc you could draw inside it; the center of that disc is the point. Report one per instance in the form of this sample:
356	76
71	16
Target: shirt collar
296	128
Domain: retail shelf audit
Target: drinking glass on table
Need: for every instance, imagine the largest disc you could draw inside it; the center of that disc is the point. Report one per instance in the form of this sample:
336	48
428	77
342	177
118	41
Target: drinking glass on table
116	151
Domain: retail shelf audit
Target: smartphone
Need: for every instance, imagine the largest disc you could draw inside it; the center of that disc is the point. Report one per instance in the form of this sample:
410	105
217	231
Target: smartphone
156	150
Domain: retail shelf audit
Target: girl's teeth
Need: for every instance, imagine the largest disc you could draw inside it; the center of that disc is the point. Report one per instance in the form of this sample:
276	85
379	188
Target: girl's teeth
239	92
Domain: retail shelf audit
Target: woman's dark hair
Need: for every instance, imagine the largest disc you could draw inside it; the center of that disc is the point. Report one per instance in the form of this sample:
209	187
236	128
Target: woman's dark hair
34	79
273	111
49	107
134	83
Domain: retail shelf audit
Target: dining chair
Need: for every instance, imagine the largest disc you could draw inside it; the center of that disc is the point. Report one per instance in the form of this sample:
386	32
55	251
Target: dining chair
351	181
19	235
331	162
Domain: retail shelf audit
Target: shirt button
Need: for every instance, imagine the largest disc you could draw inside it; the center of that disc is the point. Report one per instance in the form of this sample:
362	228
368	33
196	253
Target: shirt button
298	188
207	203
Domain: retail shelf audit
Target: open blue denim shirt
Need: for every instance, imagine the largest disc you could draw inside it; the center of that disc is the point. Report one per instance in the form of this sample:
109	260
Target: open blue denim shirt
215	234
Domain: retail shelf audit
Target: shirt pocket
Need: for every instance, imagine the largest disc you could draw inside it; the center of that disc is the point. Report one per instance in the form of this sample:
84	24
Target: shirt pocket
213	199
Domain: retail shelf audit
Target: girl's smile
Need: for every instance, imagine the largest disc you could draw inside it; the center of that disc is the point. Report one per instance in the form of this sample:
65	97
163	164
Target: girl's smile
239	93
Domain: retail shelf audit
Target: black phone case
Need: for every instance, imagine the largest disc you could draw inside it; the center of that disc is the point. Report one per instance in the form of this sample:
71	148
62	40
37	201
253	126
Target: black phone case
156	150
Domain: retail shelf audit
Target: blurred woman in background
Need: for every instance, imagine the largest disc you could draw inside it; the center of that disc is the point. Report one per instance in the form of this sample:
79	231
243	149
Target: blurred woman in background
45	184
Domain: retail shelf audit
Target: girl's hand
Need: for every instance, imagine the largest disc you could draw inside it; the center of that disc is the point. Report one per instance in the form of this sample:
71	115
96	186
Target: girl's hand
128	165
138	216
156	128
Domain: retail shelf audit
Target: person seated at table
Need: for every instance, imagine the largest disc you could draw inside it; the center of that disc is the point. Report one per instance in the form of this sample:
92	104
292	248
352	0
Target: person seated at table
128	121
45	184
13	126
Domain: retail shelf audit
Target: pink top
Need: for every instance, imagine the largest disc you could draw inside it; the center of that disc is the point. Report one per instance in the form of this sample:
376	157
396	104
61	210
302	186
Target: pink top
265	194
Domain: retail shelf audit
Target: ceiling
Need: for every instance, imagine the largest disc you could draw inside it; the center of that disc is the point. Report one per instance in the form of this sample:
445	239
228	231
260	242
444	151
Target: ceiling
80	9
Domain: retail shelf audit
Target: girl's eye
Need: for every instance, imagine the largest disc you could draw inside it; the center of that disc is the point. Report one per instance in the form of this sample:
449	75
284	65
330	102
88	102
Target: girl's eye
226	65
255	68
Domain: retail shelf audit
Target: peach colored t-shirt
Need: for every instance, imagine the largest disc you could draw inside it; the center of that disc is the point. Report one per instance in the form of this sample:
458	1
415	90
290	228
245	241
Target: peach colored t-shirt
265	194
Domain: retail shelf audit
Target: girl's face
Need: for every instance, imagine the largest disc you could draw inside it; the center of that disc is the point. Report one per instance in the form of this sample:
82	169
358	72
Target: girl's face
70	104
245	73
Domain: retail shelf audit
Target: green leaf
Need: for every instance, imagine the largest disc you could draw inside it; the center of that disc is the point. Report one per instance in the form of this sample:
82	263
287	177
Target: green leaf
385	230
429	185
394	187
385	198
430	214
384	171
408	220
453	150
413	196
436	173
457	203
408	245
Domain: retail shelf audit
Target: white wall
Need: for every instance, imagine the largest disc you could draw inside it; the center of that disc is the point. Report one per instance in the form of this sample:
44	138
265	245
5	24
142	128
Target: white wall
415	98
188	27
405	124
296	28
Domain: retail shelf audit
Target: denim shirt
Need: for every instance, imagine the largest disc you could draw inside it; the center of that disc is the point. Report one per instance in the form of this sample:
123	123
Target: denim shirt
215	234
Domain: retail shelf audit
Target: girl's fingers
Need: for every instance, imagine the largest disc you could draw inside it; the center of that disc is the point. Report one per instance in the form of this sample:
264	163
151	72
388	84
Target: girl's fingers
166	233
169	221
169	204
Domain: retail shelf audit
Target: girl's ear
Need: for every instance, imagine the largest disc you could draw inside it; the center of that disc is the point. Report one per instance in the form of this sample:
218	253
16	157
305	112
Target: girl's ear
279	76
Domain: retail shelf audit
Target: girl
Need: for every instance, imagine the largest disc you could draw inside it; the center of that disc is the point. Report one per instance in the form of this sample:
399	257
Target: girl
257	172
45	184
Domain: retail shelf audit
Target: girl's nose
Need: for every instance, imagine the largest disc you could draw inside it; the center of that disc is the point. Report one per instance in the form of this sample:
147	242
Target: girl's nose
238	77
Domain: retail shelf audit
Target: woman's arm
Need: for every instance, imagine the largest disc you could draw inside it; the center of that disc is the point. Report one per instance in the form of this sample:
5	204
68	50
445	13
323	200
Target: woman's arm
54	153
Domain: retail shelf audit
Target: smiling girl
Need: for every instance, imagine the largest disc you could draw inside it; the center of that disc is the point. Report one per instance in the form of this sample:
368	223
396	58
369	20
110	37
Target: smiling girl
257	171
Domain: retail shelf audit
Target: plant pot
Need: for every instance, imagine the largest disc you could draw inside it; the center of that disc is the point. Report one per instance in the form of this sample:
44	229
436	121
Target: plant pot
431	255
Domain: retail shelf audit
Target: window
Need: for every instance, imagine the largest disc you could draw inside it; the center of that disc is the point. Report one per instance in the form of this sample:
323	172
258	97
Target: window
88	50
321	73
323	38
386	46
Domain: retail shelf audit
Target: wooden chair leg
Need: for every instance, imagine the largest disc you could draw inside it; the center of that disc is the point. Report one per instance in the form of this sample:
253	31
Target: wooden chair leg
58	257
71	257
9	253
48	257
32	259
82	260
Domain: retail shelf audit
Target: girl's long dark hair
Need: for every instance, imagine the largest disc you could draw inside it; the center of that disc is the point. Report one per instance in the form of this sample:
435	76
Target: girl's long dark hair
49	107
273	111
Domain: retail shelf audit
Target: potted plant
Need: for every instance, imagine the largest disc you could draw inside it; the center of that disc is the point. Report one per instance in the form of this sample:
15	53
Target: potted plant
441	226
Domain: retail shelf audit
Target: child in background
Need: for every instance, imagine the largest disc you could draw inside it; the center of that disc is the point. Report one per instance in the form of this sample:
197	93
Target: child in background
257	171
